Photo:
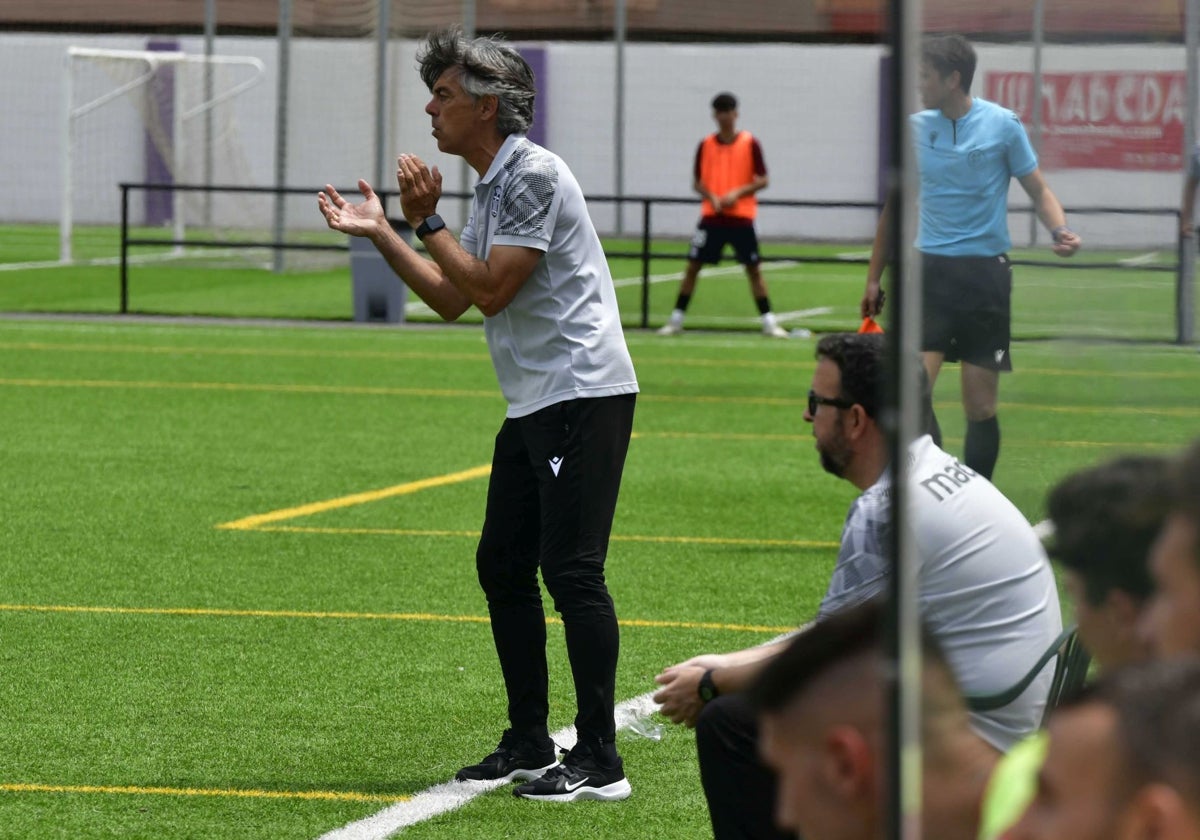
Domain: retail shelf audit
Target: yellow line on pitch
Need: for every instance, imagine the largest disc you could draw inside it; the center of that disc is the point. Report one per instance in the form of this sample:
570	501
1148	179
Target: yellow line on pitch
413	532
366	390
211	612
197	350
291	352
135	790
251	522
150	384
285	352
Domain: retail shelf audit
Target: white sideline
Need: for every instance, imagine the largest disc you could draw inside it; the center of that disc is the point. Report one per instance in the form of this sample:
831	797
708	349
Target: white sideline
451	795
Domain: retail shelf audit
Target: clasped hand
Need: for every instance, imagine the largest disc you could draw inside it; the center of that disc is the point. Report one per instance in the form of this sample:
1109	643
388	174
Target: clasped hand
420	190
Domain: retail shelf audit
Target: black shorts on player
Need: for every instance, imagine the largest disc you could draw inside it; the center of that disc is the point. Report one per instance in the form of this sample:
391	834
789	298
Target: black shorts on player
709	241
967	309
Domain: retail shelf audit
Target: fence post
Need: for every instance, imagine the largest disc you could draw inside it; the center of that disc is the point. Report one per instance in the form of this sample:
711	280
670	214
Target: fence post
645	262
1185	286
124	248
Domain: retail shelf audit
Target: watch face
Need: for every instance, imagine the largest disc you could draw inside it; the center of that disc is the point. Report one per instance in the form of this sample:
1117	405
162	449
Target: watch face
430	225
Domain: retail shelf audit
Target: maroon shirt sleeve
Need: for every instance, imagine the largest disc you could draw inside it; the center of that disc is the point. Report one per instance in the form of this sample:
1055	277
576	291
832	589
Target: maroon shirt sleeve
760	163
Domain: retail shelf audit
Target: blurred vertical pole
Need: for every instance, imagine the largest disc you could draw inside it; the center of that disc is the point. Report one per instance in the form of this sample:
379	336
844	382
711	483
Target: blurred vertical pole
619	26
210	32
284	38
464	171
1185	290
1035	117
383	24
902	401
67	165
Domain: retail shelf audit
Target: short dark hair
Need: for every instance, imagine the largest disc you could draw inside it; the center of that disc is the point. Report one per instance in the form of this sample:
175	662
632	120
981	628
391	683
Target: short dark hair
947	53
837	638
490	67
860	359
1157	706
1185	483
1106	518
724	101
1185	490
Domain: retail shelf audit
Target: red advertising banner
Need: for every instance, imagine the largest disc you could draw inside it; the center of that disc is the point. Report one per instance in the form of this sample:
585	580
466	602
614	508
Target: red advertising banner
1129	120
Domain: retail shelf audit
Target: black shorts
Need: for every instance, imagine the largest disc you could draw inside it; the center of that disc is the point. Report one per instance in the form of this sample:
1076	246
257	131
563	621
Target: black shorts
967	309
710	240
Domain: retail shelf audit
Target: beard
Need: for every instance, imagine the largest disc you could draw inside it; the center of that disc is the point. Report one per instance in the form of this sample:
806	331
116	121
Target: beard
835	455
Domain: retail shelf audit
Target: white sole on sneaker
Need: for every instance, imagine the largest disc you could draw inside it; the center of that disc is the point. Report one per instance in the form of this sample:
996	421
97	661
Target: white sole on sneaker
518	775
609	793
528	775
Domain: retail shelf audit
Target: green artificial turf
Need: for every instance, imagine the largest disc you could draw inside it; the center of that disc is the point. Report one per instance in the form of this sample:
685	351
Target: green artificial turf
168	677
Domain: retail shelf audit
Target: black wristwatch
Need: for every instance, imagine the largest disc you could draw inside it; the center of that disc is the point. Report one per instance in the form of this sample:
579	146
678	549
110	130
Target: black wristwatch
707	688
432	224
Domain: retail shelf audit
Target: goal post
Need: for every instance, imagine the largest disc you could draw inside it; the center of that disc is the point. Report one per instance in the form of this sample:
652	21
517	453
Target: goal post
153	117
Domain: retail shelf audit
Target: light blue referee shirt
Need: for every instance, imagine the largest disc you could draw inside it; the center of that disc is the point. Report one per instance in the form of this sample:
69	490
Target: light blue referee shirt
966	166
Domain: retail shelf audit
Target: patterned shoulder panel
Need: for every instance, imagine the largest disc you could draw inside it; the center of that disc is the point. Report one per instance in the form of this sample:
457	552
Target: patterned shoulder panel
528	192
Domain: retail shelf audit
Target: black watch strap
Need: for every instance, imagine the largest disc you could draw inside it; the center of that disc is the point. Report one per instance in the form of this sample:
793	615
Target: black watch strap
431	224
707	689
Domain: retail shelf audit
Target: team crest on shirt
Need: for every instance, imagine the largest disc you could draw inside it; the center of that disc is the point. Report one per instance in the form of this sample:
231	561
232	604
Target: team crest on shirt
975	158
497	196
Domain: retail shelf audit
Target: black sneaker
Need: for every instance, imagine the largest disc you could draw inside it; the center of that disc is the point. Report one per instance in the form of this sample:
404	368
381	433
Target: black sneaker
579	776
516	758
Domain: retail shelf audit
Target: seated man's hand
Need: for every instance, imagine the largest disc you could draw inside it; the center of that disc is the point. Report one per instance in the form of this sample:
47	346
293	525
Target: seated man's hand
678	697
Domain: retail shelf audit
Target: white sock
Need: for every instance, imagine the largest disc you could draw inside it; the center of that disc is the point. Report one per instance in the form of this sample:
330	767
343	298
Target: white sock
677	317
768	320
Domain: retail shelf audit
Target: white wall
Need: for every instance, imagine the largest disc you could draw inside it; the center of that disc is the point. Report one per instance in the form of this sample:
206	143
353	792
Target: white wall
813	107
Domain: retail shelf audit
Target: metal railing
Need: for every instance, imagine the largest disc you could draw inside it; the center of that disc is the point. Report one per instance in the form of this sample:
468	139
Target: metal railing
646	252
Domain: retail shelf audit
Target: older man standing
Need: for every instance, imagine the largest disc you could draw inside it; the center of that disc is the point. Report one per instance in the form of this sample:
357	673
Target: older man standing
529	259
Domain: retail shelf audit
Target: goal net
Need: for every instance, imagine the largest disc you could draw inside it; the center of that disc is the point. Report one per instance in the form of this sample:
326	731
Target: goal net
164	118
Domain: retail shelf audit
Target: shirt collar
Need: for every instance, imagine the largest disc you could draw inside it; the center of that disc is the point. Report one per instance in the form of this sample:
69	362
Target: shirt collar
505	152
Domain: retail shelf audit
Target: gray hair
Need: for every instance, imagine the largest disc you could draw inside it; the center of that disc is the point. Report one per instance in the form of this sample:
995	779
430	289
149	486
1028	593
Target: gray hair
489	67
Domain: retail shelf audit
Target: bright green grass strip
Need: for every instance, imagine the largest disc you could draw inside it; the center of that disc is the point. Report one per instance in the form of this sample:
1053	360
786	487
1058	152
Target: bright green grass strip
1055	300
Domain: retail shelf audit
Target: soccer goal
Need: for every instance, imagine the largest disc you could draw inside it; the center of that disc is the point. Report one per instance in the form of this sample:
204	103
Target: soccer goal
152	117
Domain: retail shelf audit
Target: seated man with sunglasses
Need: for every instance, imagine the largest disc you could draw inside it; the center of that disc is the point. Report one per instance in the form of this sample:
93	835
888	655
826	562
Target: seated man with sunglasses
986	589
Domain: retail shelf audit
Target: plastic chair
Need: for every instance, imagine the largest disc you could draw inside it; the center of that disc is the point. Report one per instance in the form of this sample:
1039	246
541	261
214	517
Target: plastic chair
1070	672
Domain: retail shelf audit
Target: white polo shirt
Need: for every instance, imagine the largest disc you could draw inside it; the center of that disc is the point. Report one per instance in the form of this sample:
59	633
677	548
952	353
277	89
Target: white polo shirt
986	589
560	338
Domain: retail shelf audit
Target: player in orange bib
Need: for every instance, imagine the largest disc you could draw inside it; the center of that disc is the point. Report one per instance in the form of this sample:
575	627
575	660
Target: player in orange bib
729	170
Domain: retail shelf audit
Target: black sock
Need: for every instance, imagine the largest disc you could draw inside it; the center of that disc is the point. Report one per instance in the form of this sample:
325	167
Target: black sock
681	302
603	750
764	305
982	446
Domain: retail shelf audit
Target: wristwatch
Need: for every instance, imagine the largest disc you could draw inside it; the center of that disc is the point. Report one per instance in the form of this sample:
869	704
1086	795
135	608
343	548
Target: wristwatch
707	689
432	224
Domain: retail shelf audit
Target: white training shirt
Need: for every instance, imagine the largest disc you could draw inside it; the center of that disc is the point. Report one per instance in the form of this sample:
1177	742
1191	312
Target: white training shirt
560	338
987	592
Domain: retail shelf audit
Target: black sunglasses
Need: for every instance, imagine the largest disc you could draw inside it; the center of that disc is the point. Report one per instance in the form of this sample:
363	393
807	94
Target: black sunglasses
814	400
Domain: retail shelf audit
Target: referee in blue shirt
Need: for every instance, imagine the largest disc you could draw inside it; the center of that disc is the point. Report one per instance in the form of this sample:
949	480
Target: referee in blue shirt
968	150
